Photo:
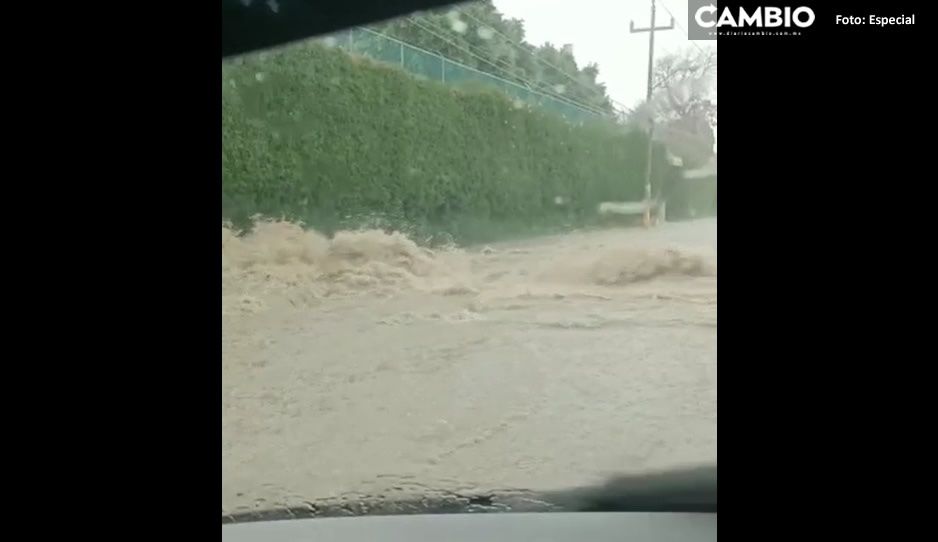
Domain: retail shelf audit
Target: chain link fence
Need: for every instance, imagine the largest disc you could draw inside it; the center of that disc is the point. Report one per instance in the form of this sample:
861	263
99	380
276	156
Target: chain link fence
432	66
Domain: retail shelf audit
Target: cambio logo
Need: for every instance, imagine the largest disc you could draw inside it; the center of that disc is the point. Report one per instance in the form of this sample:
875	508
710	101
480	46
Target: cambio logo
706	18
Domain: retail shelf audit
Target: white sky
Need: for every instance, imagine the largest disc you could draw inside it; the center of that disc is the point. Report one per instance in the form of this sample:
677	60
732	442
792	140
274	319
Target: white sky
599	32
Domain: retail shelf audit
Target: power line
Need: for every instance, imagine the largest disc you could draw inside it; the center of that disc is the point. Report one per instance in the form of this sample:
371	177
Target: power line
530	86
521	47
563	99
679	25
544	88
491	63
506	66
538	59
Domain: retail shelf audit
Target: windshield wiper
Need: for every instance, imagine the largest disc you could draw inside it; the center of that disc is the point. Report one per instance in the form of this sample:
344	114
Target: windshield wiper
686	490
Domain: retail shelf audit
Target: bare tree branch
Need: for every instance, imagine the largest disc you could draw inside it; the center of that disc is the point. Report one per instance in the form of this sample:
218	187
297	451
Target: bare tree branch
681	103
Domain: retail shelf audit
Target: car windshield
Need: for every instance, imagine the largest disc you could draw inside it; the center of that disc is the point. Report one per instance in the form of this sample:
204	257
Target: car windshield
468	254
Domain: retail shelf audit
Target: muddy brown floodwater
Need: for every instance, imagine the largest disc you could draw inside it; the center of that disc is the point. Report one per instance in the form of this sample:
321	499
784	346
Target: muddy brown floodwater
366	365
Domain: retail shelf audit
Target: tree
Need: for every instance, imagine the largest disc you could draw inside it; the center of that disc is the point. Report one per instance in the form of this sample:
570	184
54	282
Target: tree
684	104
684	85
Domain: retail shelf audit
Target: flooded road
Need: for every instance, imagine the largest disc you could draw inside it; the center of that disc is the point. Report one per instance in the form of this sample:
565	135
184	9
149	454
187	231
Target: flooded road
364	365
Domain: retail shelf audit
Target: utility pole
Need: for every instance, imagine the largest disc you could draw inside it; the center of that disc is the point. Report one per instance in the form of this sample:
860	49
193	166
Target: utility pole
651	120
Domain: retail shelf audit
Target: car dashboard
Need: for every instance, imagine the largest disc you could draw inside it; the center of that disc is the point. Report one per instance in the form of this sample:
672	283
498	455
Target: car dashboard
534	526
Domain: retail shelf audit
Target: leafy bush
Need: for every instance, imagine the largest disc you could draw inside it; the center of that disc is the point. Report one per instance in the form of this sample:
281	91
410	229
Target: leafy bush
311	133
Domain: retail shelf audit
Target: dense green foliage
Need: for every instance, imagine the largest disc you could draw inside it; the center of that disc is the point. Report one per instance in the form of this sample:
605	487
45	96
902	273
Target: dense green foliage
311	133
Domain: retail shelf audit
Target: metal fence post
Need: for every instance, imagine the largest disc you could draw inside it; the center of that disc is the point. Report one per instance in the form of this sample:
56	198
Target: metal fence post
402	55
443	68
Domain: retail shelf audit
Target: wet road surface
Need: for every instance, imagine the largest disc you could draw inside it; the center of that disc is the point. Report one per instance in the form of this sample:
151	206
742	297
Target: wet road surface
364	365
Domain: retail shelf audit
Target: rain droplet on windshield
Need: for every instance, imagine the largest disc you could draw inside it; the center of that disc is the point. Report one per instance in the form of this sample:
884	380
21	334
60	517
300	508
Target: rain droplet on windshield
560	89
273	5
457	24
259	76
485	32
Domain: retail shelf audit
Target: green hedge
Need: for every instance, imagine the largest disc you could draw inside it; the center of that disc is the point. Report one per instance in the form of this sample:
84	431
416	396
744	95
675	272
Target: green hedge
311	133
